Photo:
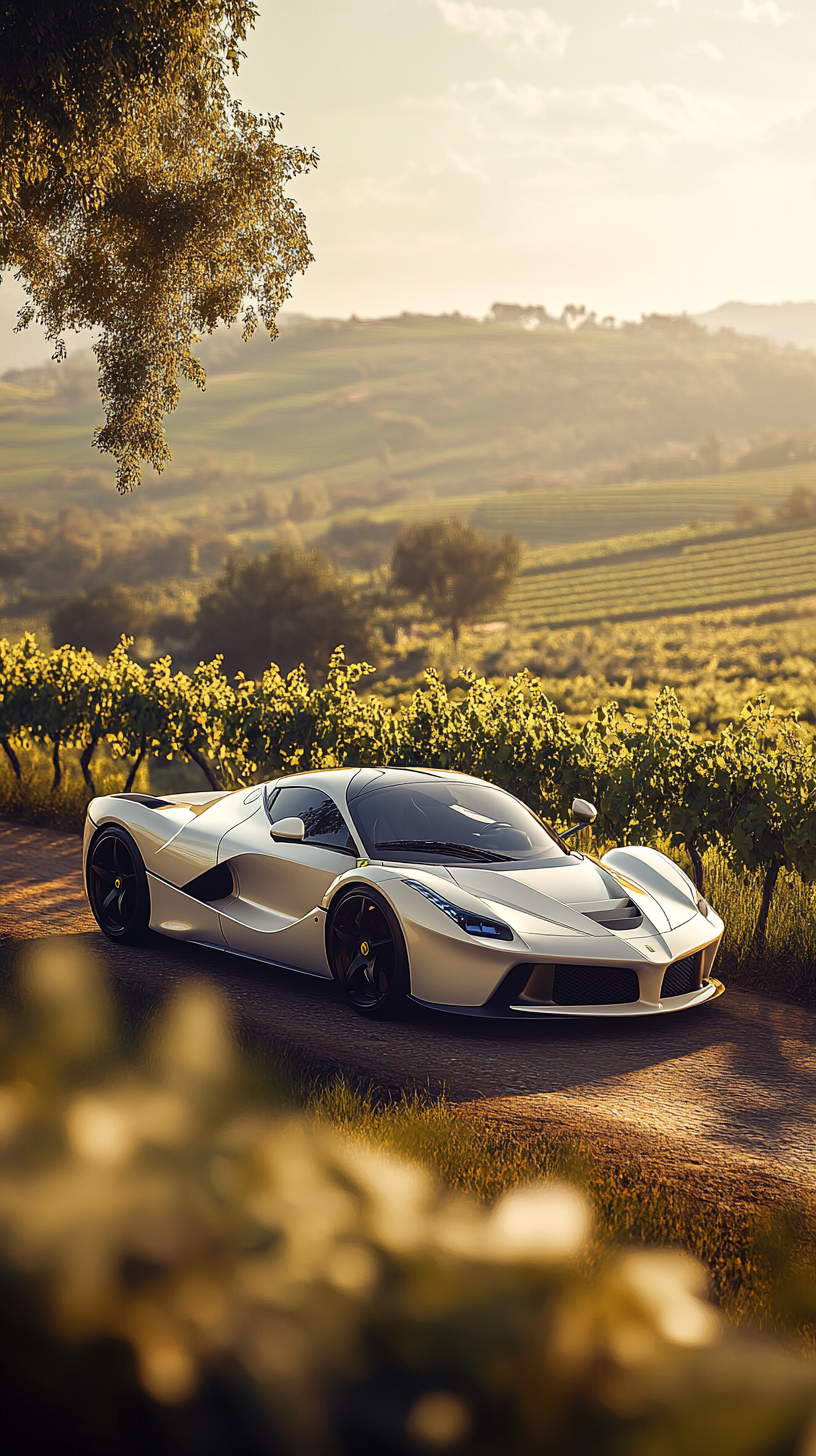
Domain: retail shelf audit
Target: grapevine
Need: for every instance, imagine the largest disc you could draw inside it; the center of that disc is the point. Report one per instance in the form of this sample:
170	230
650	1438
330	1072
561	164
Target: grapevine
751	791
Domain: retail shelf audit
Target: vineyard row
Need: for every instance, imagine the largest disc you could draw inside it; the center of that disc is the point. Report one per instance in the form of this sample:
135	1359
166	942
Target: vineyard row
556	515
751	791
703	576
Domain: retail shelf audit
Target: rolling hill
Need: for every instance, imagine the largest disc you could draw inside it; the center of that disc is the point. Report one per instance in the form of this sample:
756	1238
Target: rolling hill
343	430
418	408
782	323
591	513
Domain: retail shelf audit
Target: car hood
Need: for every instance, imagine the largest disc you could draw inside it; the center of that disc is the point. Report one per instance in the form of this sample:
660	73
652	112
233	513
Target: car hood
561	893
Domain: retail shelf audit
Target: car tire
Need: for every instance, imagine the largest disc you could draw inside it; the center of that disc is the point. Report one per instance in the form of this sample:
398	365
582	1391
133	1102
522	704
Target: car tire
116	882
366	951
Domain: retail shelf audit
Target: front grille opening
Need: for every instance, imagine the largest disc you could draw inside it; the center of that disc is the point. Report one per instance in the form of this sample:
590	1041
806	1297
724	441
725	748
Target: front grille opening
683	976
613	915
581	986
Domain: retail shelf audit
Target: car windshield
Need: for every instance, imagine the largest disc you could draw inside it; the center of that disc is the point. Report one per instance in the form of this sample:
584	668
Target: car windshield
451	820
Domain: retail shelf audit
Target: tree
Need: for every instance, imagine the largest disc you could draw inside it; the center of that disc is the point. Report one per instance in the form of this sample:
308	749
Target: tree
798	505
97	620
285	607
458	573
309	501
137	199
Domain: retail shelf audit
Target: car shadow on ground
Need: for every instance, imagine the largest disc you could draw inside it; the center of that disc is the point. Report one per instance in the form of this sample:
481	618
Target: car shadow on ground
739	1071
313	1007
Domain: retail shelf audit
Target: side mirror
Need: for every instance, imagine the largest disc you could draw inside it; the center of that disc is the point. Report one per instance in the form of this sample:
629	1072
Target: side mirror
583	813
289	830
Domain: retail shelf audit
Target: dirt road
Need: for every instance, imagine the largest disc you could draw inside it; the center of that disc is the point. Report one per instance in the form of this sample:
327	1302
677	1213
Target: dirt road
723	1097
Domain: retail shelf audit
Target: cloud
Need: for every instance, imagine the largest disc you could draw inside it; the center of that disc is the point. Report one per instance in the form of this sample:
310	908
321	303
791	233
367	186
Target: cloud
666	4
757	11
635	22
532	30
706	48
606	120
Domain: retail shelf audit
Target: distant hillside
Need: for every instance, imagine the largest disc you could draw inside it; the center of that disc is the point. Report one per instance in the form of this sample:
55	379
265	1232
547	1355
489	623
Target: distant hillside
782	323
358	415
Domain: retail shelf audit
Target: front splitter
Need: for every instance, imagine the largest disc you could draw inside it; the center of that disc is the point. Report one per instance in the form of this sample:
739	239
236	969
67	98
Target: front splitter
710	990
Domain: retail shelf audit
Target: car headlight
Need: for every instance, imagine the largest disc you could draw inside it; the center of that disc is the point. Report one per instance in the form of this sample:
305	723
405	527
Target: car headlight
466	920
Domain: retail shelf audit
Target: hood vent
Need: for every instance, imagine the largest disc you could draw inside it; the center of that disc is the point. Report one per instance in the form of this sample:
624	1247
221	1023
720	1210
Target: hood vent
612	914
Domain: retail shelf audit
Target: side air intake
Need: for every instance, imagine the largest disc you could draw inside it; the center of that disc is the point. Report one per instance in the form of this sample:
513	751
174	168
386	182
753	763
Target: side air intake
149	800
214	884
683	976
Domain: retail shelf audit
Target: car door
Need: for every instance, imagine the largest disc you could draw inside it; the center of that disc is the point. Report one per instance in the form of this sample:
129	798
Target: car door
276	912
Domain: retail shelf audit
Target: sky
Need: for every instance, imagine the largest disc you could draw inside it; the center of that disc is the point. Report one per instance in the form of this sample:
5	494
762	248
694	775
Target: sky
629	155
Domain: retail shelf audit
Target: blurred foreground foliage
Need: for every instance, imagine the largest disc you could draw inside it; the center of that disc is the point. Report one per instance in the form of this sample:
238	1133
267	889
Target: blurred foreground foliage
185	1270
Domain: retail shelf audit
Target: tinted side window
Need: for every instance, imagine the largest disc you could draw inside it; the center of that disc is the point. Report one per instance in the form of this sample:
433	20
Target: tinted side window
324	822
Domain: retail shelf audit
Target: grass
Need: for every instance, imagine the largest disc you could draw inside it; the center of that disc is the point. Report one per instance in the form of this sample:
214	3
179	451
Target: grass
637	543
455	414
400	419
32	800
561	516
761	1259
715	661
568	517
786	967
762	1262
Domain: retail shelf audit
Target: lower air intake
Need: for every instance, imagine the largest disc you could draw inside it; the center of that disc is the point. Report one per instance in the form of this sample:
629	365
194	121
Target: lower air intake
595	986
683	976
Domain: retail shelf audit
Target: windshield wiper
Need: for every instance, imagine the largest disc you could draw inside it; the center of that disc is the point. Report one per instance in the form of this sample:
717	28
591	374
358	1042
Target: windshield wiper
464	851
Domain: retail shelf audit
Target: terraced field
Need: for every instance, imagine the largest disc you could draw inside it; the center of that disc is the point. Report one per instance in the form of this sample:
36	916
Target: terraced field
616	510
700	576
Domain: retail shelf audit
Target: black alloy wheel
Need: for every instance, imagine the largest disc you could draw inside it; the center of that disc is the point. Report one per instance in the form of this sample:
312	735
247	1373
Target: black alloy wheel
367	954
117	886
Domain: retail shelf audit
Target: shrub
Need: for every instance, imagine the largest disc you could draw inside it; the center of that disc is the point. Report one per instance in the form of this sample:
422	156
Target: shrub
97	620
284	607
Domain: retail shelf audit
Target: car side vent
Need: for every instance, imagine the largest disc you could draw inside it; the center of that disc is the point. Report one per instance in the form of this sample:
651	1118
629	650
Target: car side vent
614	915
214	884
149	800
683	976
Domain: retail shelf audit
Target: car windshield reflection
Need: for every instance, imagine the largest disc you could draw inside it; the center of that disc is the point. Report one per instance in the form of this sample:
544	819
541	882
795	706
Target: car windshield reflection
472	822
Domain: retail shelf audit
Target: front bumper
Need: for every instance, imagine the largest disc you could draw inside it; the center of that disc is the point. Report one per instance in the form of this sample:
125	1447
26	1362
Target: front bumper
505	1003
456	972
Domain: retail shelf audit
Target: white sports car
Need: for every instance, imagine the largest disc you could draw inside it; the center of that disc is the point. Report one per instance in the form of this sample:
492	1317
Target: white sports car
406	884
